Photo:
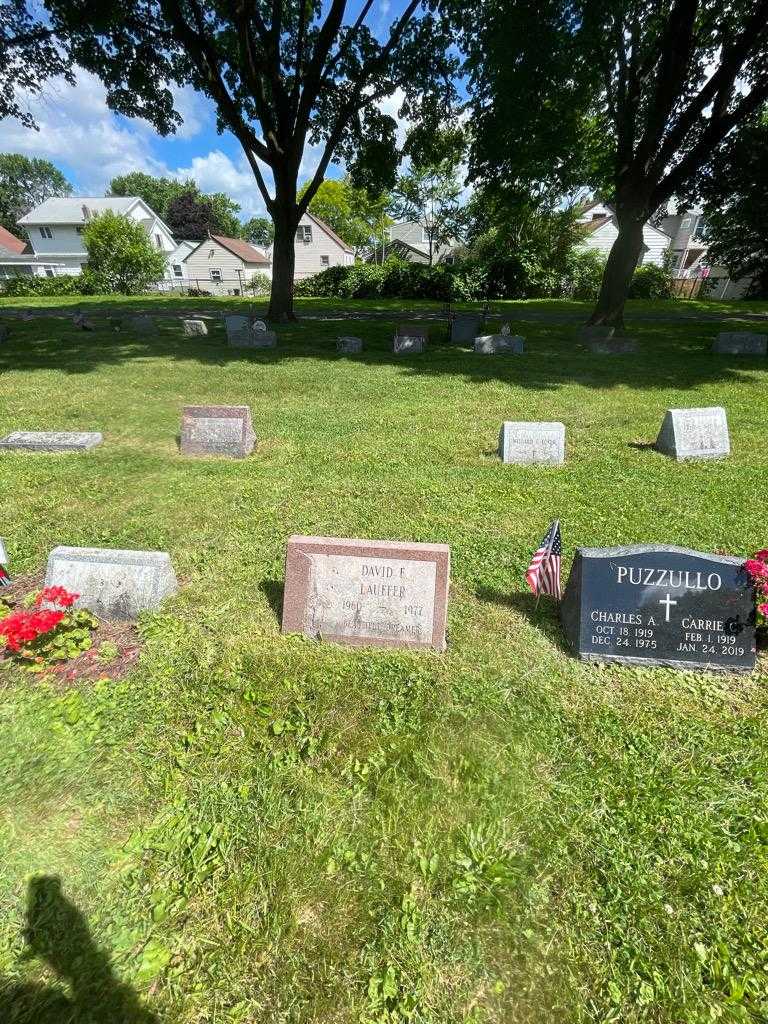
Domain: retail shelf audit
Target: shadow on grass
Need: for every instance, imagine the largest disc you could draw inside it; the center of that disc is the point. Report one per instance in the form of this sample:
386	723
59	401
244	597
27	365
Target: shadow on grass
544	615
554	358
57	934
273	591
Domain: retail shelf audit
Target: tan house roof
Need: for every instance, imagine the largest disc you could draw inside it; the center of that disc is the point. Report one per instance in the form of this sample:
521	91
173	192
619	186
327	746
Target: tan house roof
329	231
241	249
593	225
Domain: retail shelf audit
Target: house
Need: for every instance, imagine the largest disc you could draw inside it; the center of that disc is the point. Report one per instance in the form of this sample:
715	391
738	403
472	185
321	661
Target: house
177	267
55	229
224	266
16	256
599	230
318	247
410	241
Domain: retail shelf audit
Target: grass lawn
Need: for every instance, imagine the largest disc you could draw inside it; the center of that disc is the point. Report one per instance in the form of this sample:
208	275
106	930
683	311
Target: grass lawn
257	828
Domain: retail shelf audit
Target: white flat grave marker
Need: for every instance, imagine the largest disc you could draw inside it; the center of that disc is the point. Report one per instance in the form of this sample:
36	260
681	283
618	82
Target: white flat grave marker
50	441
522	443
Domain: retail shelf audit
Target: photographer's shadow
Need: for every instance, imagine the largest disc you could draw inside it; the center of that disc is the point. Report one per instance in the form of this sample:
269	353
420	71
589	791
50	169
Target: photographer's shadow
57	934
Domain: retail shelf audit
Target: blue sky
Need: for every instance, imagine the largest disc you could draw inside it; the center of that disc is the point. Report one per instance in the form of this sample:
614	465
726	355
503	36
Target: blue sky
90	144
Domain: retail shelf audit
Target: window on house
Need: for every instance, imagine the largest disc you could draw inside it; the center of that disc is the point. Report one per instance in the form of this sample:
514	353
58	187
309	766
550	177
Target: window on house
46	233
211	253
158	242
304	233
177	270
701	227
215	274
597	216
325	261
49	271
686	224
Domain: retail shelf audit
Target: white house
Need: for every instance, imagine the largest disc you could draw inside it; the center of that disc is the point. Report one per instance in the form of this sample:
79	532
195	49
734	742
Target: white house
55	229
410	241
224	266
16	257
600	229
177	267
318	247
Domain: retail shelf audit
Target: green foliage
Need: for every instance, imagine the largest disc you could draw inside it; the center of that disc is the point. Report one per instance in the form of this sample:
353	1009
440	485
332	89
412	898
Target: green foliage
258	231
30	55
191	215
651	282
156	192
735	200
392	279
24	183
121	256
357	219
430	196
259	284
67	284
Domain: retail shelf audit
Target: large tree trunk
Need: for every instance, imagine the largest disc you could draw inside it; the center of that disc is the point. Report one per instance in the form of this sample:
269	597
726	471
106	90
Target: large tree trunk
283	255
621	264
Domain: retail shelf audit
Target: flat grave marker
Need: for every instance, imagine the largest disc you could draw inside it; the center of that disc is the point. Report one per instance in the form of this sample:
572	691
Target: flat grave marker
194	328
217	430
50	441
522	443
500	344
410	338
612	346
142	324
112	583
349	345
741	343
367	592
660	605
694	434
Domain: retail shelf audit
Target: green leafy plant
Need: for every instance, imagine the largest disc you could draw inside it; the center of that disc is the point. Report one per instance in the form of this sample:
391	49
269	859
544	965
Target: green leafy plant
38	637
121	256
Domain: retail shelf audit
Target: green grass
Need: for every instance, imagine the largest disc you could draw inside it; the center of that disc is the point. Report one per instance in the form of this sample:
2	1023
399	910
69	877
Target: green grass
253	827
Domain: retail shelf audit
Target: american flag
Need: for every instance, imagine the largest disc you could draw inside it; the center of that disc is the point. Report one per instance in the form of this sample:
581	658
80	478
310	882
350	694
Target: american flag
543	576
5	579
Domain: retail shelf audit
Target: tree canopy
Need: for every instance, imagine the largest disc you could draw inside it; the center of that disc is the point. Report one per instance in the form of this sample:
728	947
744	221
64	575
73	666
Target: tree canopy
30	54
188	212
734	191
630	98
24	183
258	231
356	217
282	74
121	256
430	195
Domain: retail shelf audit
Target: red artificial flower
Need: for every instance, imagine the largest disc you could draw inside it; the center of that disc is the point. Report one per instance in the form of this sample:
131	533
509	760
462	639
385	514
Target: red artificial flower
56	595
762	556
22	627
757	570
763	609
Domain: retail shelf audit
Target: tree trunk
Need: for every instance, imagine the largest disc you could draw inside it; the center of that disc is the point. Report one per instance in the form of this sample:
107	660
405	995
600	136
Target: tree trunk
621	264
283	260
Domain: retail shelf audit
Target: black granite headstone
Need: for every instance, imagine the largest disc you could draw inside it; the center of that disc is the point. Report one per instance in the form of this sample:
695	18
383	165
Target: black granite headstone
660	605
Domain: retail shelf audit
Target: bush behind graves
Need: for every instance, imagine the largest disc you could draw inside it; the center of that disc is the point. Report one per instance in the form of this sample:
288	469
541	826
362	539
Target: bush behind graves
121	255
651	282
390	280
19	287
260	284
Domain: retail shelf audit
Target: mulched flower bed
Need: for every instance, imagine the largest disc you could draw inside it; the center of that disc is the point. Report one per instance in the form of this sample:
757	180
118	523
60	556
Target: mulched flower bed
91	664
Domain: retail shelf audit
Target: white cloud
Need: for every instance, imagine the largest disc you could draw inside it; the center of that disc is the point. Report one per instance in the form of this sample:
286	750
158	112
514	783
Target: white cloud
391	105
217	172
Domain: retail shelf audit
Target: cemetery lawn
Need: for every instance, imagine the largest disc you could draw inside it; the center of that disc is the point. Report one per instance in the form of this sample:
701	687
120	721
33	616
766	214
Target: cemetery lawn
257	828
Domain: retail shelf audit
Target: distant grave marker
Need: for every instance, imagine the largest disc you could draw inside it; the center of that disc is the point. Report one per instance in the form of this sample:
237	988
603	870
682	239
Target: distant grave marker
367	592
112	583
242	334
217	430
50	441
465	327
694	434
500	344
194	328
660	605
349	345
410	339
741	343
523	443
142	324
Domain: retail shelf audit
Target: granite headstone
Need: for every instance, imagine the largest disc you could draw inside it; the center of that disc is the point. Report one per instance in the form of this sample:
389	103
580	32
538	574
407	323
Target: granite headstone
367	592
217	430
113	584
612	346
694	434
500	344
660	605
349	344
242	334
741	343
410	338
194	328
465	327
523	443
50	441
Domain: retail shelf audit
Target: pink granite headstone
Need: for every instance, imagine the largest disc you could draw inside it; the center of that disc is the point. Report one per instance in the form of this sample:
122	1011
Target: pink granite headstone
217	430
381	593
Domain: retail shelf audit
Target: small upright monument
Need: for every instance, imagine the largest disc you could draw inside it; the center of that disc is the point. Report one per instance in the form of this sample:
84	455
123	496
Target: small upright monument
694	434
